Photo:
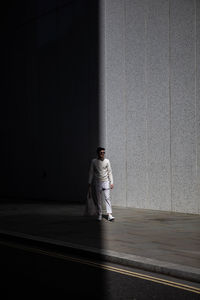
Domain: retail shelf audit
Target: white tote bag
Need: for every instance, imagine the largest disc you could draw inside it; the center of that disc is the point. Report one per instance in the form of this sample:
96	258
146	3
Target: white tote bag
90	208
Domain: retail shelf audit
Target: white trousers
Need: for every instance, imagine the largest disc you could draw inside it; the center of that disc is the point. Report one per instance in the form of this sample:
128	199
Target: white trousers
103	187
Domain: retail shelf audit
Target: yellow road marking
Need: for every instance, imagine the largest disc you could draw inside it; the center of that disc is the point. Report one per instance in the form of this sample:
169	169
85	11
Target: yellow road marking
103	266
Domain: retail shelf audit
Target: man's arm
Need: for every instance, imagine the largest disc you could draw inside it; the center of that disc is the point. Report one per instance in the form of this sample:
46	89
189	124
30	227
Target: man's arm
110	176
91	173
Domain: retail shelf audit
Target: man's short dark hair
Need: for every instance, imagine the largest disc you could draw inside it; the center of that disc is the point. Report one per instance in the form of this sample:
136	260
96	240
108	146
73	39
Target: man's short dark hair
100	149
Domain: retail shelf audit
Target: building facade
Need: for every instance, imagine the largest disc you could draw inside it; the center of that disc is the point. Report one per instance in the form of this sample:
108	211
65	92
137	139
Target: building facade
150	101
123	74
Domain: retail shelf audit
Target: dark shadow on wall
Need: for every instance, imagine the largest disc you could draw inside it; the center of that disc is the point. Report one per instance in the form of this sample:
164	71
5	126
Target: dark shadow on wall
49	132
49	111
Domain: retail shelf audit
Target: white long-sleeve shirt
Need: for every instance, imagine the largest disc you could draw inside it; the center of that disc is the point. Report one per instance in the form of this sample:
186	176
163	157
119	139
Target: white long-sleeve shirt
100	170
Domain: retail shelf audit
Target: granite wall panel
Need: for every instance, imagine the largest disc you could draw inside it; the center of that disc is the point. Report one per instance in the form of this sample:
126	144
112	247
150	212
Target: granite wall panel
183	114
115	97
158	106
136	155
198	97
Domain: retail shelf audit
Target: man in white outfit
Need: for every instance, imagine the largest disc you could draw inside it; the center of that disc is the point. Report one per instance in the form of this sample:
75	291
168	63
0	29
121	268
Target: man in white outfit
100	175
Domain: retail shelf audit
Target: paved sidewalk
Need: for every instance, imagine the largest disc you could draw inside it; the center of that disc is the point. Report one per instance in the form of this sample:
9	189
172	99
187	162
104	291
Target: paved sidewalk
157	241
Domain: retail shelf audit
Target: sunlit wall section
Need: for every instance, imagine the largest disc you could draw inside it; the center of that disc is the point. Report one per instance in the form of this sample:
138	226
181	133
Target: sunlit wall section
151	102
115	104
198	95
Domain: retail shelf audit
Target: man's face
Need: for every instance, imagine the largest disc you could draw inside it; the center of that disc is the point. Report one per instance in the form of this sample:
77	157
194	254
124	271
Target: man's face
101	154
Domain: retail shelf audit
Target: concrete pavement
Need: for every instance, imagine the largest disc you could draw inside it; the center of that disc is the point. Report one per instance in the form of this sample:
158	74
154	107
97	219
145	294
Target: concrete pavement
164	242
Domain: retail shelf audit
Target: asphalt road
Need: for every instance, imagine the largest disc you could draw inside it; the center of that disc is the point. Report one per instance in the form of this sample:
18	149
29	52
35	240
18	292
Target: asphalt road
32	272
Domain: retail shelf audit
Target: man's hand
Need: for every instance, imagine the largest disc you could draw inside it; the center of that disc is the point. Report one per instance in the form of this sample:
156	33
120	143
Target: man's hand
112	186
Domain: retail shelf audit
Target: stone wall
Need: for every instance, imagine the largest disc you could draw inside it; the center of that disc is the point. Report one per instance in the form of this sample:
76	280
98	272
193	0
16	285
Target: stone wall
151	102
49	99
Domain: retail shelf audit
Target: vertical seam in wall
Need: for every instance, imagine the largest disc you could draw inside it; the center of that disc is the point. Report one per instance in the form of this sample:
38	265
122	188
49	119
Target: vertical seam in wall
125	99
101	78
170	104
195	66
103	75
145	80
105	82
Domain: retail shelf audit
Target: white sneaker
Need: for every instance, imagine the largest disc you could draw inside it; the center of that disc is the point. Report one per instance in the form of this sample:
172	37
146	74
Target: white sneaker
99	218
110	218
